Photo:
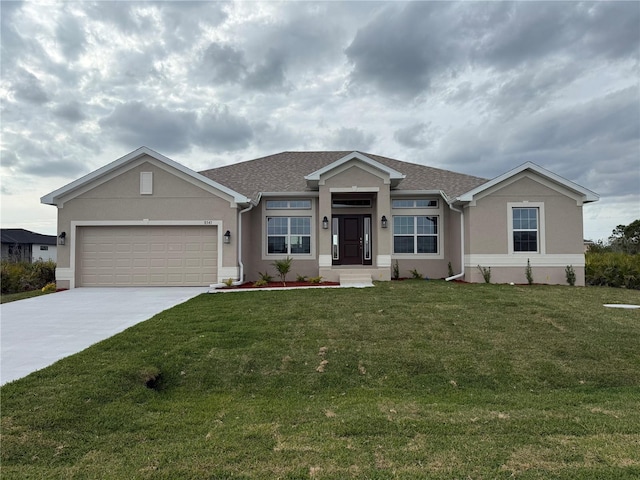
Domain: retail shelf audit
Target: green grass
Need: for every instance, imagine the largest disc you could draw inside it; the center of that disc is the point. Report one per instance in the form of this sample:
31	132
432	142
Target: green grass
12	297
422	380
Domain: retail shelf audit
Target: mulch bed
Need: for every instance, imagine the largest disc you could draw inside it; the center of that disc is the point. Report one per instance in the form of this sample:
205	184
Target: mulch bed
288	285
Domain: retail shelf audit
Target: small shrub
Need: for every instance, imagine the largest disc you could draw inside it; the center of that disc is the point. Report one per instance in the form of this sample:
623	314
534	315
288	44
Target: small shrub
283	267
486	273
228	282
415	274
301	278
315	279
529	273
570	274
265	277
396	271
49	288
449	270
261	283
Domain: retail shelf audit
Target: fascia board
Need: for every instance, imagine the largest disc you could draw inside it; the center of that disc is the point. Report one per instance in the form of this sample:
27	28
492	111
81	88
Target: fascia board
588	195
290	194
51	198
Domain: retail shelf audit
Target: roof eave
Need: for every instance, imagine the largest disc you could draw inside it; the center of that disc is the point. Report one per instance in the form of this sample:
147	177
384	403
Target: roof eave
53	197
586	194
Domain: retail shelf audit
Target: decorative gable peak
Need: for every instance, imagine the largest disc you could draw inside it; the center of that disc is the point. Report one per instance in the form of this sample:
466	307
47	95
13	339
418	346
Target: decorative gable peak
389	175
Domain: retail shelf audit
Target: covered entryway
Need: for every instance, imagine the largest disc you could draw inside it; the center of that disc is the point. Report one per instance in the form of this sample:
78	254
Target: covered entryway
351	237
146	256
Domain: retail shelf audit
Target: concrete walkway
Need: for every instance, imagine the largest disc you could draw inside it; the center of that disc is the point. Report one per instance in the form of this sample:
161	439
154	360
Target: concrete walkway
37	332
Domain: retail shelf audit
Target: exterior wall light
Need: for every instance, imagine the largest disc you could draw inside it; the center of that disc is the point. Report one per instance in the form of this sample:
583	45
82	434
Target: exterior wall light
384	221
325	222
227	237
62	238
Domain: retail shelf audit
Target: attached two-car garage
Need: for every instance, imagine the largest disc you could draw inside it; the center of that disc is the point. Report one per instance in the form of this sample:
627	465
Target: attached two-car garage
184	255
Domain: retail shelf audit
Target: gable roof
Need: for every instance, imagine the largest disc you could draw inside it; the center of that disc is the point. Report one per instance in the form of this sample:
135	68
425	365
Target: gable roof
20	235
394	176
52	198
586	194
288	172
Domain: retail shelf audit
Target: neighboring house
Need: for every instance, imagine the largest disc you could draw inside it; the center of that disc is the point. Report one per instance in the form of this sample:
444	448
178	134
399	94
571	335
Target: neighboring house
147	220
20	245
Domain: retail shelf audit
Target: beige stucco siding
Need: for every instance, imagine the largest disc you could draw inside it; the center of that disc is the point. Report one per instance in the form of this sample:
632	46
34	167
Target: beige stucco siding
487	221
175	198
560	232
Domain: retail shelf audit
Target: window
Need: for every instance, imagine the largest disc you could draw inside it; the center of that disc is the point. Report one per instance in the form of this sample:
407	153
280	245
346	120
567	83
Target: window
414	203
44	247
525	229
415	234
289	235
351	203
288	204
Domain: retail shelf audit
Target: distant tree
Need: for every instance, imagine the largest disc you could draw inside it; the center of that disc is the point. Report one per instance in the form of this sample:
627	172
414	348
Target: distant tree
626	238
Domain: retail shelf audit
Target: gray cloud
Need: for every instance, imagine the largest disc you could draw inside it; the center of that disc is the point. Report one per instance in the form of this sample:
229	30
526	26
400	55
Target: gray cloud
223	63
221	131
268	75
401	50
124	16
71	37
28	87
46	157
134	124
418	135
347	138
71	111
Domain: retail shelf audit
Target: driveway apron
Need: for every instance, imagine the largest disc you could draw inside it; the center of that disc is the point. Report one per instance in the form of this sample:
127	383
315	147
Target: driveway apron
37	332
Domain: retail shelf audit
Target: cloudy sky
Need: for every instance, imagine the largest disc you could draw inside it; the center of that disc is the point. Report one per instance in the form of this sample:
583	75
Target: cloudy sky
472	87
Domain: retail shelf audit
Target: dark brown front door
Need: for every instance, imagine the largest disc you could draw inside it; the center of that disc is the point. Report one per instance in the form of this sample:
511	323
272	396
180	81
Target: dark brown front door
354	240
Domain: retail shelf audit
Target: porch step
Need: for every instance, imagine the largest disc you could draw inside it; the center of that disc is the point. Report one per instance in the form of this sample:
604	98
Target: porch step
358	280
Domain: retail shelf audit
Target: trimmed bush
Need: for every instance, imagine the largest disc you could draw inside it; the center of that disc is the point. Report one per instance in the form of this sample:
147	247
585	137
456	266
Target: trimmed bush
613	269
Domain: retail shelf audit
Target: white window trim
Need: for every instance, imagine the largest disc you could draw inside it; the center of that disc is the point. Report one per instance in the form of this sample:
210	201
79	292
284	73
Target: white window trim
414	200
438	255
288	236
289	212
541	227
289	207
421	212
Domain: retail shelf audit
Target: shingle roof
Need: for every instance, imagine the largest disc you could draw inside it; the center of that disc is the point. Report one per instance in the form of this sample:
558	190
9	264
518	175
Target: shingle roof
285	172
20	235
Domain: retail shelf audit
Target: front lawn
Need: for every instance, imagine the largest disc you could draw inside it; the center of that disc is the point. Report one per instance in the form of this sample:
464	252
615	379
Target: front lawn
409	379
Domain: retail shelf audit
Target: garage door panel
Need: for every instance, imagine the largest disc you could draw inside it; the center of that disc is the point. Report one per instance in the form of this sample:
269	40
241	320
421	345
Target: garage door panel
146	255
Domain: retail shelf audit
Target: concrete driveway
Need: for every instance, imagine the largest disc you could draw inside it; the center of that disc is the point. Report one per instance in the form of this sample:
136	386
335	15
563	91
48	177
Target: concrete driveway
37	332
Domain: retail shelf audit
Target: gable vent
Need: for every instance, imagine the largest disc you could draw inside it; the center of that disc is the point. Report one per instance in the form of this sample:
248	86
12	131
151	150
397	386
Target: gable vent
146	183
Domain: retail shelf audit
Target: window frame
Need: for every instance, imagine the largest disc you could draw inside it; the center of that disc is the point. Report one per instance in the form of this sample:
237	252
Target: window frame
406	211
288	236
284	209
541	240
288	204
416	235
414	204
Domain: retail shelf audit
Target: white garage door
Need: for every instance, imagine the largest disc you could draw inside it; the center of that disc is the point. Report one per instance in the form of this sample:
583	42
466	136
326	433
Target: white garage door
146	256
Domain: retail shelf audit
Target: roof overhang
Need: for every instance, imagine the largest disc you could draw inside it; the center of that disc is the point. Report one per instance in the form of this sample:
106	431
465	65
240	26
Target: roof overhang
68	190
585	194
314	178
